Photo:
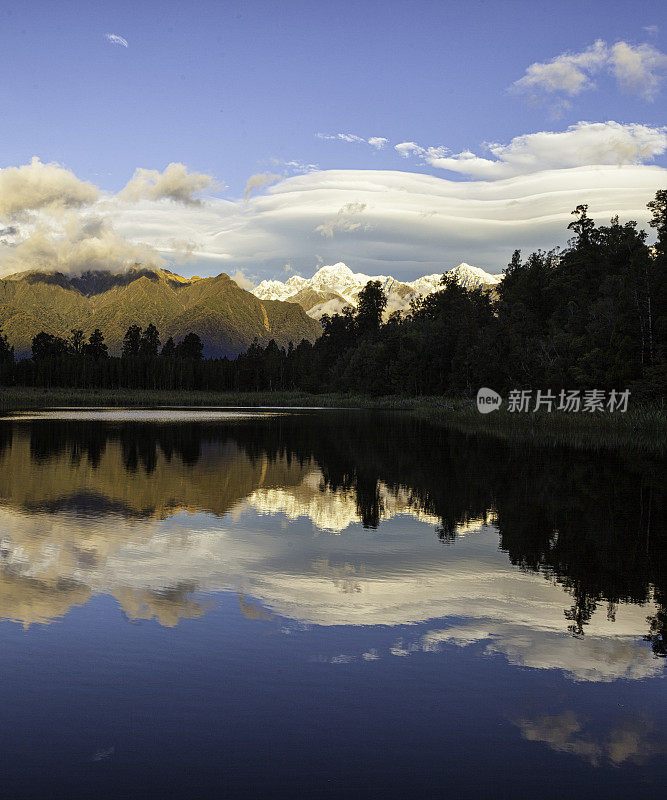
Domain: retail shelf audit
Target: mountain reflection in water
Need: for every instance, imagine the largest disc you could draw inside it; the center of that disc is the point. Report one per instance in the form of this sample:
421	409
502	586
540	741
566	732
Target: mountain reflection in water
149	512
365	540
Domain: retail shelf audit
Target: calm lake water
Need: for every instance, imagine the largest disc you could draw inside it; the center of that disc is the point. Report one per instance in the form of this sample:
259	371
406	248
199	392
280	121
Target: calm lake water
323	603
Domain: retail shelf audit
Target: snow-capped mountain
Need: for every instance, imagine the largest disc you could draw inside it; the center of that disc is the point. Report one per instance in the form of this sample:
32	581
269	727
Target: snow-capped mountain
471	277
335	286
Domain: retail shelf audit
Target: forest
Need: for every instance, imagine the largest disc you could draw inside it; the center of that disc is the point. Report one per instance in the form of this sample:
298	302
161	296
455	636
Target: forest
592	315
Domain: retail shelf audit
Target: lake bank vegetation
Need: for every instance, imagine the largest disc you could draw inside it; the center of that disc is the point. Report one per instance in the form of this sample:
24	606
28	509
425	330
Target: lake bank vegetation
642	428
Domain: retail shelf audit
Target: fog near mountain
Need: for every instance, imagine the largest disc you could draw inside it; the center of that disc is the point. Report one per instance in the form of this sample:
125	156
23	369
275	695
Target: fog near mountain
333	287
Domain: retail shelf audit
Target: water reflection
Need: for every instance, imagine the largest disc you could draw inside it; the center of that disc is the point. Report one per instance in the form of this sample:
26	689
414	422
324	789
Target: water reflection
632	740
556	560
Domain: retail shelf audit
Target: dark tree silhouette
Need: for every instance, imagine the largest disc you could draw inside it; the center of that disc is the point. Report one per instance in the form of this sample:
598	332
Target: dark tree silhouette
168	348
370	307
658	208
45	345
76	341
6	350
191	347
132	341
96	348
149	343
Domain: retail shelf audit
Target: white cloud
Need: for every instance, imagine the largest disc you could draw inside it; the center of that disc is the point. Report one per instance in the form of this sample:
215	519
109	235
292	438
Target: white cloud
343	137
378	142
328	307
407	149
585	143
350	137
75	244
297	167
345	220
569	72
377	221
420	223
114	38
637	68
38	185
60	224
7	234
182	250
242	280
175	183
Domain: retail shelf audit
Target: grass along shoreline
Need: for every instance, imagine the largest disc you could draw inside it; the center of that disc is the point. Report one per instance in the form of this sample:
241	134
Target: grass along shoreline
642	428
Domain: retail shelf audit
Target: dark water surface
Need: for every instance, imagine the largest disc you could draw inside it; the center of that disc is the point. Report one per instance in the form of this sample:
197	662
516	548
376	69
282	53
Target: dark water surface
311	604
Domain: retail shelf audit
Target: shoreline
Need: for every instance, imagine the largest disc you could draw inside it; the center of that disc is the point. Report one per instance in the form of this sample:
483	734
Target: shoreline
642	428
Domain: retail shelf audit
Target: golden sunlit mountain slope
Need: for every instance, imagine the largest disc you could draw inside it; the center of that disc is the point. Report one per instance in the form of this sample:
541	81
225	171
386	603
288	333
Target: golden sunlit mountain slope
226	317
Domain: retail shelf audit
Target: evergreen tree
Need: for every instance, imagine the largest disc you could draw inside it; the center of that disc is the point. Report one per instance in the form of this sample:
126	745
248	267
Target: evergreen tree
76	341
658	208
6	350
45	346
370	307
6	360
132	341
583	226
191	347
273	366
96	348
657	293
168	348
149	343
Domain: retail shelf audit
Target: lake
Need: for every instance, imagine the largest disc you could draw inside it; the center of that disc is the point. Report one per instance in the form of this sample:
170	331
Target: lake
278	603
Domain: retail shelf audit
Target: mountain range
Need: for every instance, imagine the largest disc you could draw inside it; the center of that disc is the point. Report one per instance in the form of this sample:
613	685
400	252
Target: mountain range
226	317
333	287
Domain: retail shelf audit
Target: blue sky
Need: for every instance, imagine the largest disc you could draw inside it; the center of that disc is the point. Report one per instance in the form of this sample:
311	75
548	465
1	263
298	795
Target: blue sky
232	89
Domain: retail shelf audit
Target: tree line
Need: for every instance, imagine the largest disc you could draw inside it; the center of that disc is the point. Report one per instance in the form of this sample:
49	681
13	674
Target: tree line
78	362
590	316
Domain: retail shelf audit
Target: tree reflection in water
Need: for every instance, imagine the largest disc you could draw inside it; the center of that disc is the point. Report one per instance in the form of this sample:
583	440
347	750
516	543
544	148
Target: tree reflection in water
591	522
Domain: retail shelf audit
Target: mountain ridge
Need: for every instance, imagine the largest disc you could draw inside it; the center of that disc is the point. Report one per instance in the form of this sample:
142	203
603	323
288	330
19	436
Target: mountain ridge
226	317
336	285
